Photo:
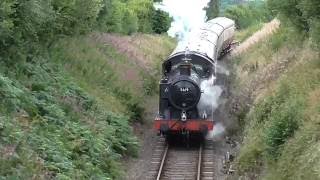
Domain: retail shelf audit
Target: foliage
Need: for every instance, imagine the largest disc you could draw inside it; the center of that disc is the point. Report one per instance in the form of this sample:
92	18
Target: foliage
29	27
63	131
150	84
117	17
243	34
212	9
77	55
248	14
130	22
64	111
224	4
302	14
281	131
144	10
161	21
132	16
282	114
26	24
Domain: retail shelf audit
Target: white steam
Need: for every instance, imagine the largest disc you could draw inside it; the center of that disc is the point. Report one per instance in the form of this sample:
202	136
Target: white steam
187	15
222	70
208	103
209	98
217	132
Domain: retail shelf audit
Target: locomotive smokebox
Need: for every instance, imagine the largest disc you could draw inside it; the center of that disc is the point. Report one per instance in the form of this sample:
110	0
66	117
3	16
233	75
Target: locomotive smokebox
185	92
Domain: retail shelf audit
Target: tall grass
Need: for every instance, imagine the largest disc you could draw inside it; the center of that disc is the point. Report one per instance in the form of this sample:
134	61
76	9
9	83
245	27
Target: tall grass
281	130
55	129
66	114
243	34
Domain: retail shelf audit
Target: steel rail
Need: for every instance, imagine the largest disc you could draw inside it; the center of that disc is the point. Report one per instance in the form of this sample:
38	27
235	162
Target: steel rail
162	162
199	164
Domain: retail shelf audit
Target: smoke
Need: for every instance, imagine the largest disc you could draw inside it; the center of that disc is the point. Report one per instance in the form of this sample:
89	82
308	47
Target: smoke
187	15
222	70
207	105
217	132
209	98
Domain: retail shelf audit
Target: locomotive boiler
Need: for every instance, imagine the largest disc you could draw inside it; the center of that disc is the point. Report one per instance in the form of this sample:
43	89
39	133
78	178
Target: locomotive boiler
192	64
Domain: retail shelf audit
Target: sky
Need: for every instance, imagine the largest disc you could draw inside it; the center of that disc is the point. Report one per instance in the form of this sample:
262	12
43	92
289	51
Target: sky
187	14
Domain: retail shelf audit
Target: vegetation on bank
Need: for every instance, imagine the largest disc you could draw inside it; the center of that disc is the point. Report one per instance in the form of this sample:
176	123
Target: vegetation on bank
51	127
281	75
66	114
303	15
64	106
27	27
282	127
248	16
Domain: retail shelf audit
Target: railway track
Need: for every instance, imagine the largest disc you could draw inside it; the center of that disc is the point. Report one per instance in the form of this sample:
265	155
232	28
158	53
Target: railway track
182	163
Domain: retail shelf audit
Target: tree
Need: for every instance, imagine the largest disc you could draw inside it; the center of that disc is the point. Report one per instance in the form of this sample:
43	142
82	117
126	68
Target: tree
143	9
161	21
303	14
289	10
212	9
129	22
248	14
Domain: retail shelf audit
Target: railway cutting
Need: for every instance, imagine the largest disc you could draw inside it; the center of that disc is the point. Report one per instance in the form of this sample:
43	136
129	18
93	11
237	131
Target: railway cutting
176	162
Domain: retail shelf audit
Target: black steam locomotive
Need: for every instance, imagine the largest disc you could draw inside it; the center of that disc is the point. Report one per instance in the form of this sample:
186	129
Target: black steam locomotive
183	106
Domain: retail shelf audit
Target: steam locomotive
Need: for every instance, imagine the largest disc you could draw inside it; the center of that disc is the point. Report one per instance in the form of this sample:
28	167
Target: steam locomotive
183	106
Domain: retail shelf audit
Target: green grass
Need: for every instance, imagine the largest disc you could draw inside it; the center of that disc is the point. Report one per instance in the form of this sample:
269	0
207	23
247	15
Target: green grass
55	129
281	130
65	114
242	35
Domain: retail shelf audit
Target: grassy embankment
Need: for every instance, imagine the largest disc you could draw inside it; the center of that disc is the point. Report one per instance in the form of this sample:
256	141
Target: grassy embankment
281	129
243	34
66	114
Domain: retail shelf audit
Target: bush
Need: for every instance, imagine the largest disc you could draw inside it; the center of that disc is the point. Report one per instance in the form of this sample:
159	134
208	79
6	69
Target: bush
161	22
249	14
143	10
132	16
315	31
133	103
150	84
303	15
212	9
245	33
279	39
69	135
27	27
282	124
130	22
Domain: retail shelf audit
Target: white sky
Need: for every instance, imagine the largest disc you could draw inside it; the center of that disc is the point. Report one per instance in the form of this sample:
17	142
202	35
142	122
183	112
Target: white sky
187	14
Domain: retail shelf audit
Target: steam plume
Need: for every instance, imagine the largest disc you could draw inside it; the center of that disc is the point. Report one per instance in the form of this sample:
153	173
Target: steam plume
209	98
187	14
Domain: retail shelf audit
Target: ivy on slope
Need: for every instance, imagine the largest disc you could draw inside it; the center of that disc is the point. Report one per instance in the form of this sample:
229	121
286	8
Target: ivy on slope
51	128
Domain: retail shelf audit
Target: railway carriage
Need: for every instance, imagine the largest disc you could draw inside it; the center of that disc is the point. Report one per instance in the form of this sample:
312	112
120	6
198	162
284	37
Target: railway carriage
192	62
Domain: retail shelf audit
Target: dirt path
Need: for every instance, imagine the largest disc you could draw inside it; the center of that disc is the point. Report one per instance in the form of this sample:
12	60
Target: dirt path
136	168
